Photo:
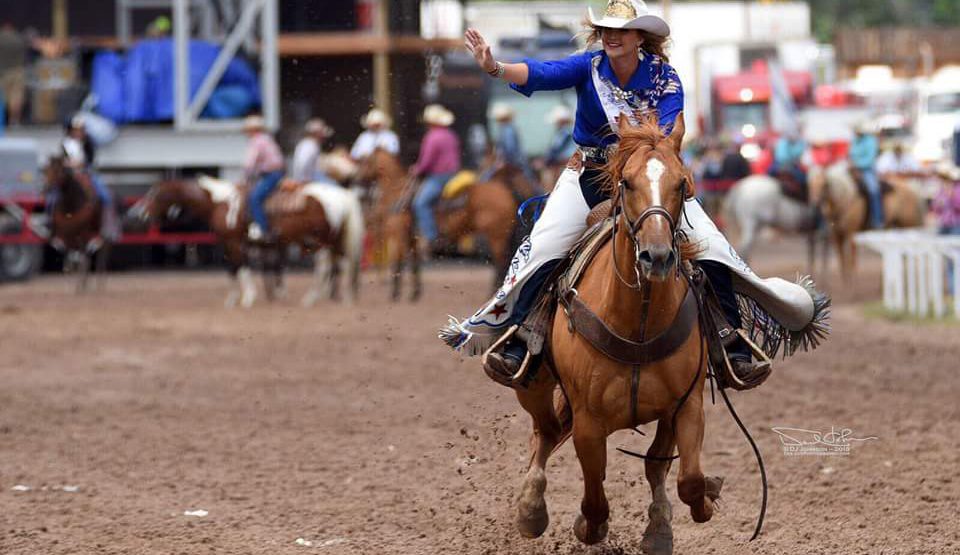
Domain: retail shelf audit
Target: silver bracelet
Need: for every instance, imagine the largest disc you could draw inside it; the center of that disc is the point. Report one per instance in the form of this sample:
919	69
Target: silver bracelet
498	72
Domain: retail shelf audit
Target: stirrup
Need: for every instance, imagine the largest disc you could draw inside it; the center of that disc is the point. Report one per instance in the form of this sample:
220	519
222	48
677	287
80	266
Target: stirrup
516	381
730	378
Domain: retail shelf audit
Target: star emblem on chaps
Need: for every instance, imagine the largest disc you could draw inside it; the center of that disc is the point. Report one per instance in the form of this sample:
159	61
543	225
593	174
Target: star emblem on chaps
499	310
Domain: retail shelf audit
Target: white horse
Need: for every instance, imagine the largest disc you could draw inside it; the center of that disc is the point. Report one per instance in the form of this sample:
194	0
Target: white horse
757	202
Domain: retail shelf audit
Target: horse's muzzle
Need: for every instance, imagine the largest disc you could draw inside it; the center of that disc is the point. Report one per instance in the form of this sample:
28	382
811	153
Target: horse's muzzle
657	262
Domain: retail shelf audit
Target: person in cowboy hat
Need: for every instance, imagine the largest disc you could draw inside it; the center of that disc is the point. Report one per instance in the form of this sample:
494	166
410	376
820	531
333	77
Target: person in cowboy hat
305	166
439	159
263	166
630	75
562	146
377	134
507	149
863	156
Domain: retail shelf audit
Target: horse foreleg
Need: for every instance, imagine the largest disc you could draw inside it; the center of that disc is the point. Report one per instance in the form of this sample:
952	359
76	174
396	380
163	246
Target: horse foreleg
415	276
694	489
346	269
233	294
590	441
84	269
248	287
335	276
537	400
658	536
321	278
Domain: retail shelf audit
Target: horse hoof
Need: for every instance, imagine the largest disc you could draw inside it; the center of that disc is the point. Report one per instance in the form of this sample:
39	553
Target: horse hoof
657	543
588	533
532	516
712	487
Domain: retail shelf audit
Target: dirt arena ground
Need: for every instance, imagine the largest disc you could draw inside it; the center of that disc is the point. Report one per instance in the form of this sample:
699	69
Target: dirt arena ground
354	430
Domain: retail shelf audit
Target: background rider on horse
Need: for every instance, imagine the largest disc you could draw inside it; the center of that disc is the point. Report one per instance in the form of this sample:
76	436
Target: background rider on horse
264	168
439	160
79	154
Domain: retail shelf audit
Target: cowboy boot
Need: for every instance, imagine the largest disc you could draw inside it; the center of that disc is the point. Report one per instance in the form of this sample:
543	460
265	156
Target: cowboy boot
502	365
750	373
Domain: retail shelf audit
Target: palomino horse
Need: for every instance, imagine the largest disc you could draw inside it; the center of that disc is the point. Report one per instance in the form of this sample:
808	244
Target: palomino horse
489	211
76	223
320	218
835	191
638	265
757	202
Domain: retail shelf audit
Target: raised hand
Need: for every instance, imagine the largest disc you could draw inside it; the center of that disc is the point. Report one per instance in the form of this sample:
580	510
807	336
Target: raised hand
480	49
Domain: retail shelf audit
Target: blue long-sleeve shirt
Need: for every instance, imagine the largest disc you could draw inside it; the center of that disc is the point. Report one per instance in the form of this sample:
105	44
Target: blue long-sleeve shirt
653	86
863	152
788	152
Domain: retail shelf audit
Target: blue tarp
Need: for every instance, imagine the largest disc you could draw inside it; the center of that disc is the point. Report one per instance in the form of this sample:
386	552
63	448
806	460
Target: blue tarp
138	87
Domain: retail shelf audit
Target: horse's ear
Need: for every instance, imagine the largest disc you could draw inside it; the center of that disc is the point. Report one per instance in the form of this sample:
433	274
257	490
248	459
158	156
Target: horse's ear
623	123
676	135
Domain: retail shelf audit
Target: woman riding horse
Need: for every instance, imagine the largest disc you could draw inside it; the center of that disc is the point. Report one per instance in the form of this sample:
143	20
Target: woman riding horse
630	76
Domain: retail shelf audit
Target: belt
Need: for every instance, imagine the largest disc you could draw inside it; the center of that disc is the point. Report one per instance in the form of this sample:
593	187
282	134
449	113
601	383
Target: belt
596	154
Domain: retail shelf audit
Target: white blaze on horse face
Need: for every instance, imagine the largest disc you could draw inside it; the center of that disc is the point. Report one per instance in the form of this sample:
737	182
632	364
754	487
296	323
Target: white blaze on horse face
655	169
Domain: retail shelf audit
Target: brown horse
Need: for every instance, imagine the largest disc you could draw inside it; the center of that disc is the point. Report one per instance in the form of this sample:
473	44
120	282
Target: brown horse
298	217
835	191
637	266
488	211
76	222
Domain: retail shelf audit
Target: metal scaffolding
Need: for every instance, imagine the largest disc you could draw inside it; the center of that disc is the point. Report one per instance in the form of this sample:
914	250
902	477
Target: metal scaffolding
252	24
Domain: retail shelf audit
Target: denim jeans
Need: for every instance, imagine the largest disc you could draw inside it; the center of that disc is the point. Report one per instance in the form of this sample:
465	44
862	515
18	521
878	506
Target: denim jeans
875	197
258	196
430	191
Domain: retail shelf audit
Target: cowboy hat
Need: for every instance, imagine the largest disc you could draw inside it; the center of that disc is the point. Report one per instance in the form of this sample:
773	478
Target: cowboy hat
435	114
251	123
501	111
560	113
375	116
947	170
317	126
629	14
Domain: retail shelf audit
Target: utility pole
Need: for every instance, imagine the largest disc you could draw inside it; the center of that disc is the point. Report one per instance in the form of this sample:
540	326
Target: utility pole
381	57
60	31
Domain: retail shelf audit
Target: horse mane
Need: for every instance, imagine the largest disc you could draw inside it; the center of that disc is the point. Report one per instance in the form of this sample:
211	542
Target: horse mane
647	134
632	138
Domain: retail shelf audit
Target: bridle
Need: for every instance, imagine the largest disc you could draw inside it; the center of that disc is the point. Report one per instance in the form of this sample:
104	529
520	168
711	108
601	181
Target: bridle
676	234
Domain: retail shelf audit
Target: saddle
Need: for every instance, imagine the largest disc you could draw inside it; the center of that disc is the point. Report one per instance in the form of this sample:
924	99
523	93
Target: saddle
793	188
700	305
886	188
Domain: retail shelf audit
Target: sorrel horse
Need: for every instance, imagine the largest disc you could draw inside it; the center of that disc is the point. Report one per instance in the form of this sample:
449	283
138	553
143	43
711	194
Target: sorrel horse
835	191
489	211
303	217
649	184
76	223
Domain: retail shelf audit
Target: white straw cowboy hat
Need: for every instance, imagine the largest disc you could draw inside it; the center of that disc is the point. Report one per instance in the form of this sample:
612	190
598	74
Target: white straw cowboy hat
629	14
501	111
376	116
948	171
317	126
251	123
435	114
560	113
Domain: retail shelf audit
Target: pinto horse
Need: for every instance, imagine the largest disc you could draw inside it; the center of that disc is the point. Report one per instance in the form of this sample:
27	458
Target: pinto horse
304	217
76	223
601	395
489	211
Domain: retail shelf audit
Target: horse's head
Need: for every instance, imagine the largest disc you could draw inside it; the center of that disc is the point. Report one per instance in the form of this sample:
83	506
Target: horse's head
379	166
650	185
163	202
56	173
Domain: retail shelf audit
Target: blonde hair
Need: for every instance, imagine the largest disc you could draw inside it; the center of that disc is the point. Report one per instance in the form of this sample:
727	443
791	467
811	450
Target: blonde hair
652	44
